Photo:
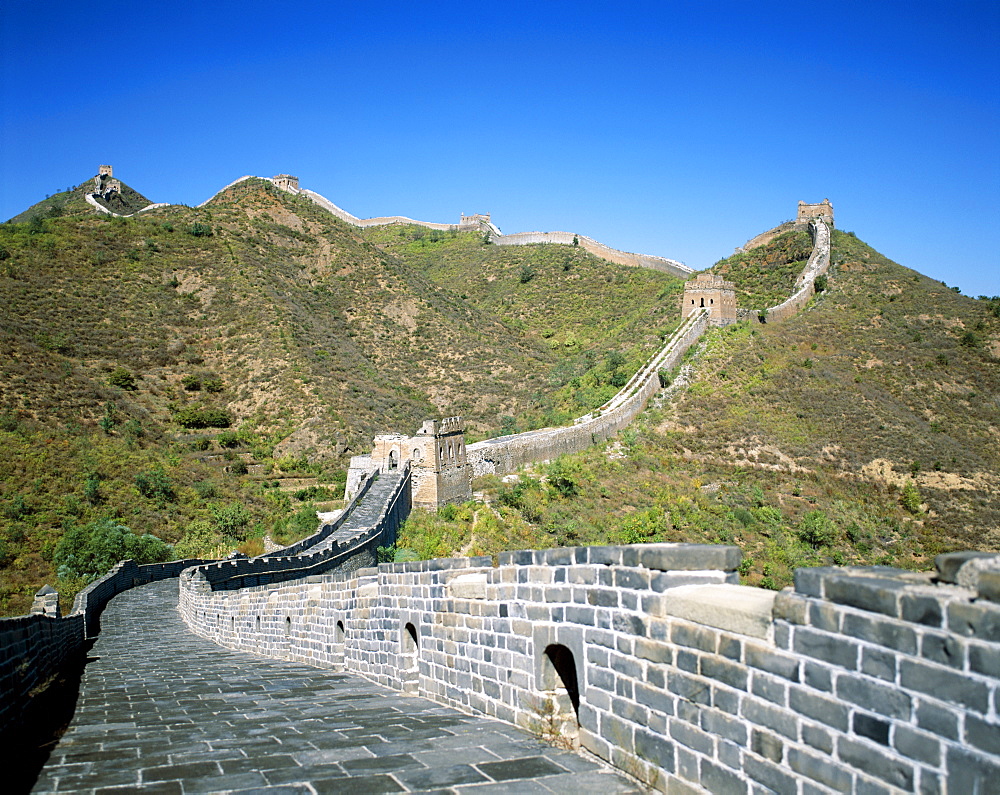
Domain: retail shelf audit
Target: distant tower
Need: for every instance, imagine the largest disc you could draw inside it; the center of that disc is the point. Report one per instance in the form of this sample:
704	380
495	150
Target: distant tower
105	171
287	182
807	212
708	291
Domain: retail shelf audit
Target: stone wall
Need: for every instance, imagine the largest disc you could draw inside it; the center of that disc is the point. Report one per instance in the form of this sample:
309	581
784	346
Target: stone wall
651	657
34	648
805	284
506	453
670	266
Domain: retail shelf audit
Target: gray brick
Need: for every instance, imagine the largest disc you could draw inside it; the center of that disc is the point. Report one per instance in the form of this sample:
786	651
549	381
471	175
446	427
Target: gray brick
687	661
720	781
820	769
790	607
878	663
655	699
989	585
607	556
694	637
819	708
722	670
874	762
691	688
866	786
602	597
817	738
985	660
874	594
921	610
971	772
984	735
629	624
944	649
870	727
731	648
692	737
930	783
770	688
690	557
772	776
631	578
944	684
767	745
937	720
617	732
819	677
783	665
917	745
655	749
726	700
874	696
654	652
778	720
892	634
810	581
948	564
725	726
825	616
980	620
833	649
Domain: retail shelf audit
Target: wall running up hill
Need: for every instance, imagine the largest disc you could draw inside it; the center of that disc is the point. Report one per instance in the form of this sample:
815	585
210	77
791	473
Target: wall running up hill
805	284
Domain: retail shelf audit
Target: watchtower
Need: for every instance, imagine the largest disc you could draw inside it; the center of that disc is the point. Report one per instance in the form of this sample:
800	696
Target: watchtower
286	182
105	171
476	219
708	291
807	212
439	470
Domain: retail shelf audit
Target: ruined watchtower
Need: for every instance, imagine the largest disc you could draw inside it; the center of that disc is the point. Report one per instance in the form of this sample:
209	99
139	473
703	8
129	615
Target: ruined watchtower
286	182
440	472
807	212
708	291
105	171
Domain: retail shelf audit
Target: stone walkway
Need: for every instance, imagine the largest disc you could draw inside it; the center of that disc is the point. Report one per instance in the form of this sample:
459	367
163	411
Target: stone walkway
164	711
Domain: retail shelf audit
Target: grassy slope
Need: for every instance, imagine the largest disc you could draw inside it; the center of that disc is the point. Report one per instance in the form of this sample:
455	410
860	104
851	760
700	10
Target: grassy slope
765	276
580	307
794	441
305	324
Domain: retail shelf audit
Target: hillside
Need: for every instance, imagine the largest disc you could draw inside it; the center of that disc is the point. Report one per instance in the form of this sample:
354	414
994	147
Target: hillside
128	345
864	430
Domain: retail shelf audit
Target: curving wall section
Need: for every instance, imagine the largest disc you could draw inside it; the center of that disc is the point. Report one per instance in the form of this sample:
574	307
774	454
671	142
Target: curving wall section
506	453
653	658
805	284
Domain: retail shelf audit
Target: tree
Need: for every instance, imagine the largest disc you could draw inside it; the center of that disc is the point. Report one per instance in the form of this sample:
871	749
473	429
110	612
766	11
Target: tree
89	550
122	378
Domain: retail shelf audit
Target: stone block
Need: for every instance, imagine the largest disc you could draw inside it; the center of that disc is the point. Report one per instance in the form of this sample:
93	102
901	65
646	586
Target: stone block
833	649
721	670
691	688
944	684
989	586
777	720
767	745
950	564
790	607
945	649
937	720
694	637
824	710
655	699
770	689
733	608
772	776
762	657
817	738
985	659
605	556
467	586
722	725
692	737
875	762
917	745
892	634
820	769
920	609
656	750
980	620
871	727
690	557
983	734
721	781
971	772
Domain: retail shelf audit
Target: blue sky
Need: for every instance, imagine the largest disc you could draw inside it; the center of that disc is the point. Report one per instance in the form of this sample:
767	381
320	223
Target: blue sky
674	128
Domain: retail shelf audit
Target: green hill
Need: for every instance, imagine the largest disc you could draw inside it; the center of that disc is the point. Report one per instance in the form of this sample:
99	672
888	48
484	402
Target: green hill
128	345
864	430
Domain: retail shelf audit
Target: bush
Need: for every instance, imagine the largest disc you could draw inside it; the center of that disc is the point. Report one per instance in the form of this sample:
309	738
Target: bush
89	551
231	520
239	468
196	417
228	439
213	385
817	529
527	274
191	383
820	283
155	485
198	229
122	378
910	497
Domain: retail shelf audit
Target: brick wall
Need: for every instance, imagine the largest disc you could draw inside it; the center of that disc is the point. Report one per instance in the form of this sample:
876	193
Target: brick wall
650	656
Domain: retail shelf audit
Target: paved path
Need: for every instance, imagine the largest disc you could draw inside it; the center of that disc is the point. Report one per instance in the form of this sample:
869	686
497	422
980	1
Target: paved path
164	711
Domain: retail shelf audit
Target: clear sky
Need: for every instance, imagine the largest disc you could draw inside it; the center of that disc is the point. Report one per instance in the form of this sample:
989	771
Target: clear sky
672	128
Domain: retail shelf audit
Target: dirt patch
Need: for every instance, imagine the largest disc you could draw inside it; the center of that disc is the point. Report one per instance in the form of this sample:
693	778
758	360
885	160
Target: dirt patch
403	312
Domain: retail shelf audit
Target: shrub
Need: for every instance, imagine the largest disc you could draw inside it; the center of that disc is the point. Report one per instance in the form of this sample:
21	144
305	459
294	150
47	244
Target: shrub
213	385
122	378
817	529
239	468
92	489
228	439
155	485
527	274
191	383
197	417
820	283
909	498
198	229
231	520
88	551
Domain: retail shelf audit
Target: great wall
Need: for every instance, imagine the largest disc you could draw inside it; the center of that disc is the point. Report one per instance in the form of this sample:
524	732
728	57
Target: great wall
651	658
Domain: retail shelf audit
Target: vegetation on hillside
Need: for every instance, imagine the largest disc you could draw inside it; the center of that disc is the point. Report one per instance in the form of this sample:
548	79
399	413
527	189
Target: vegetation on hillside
864	430
765	276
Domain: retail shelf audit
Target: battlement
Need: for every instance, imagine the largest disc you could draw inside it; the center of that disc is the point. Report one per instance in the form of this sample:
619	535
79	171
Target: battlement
286	182
105	171
476	219
807	212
